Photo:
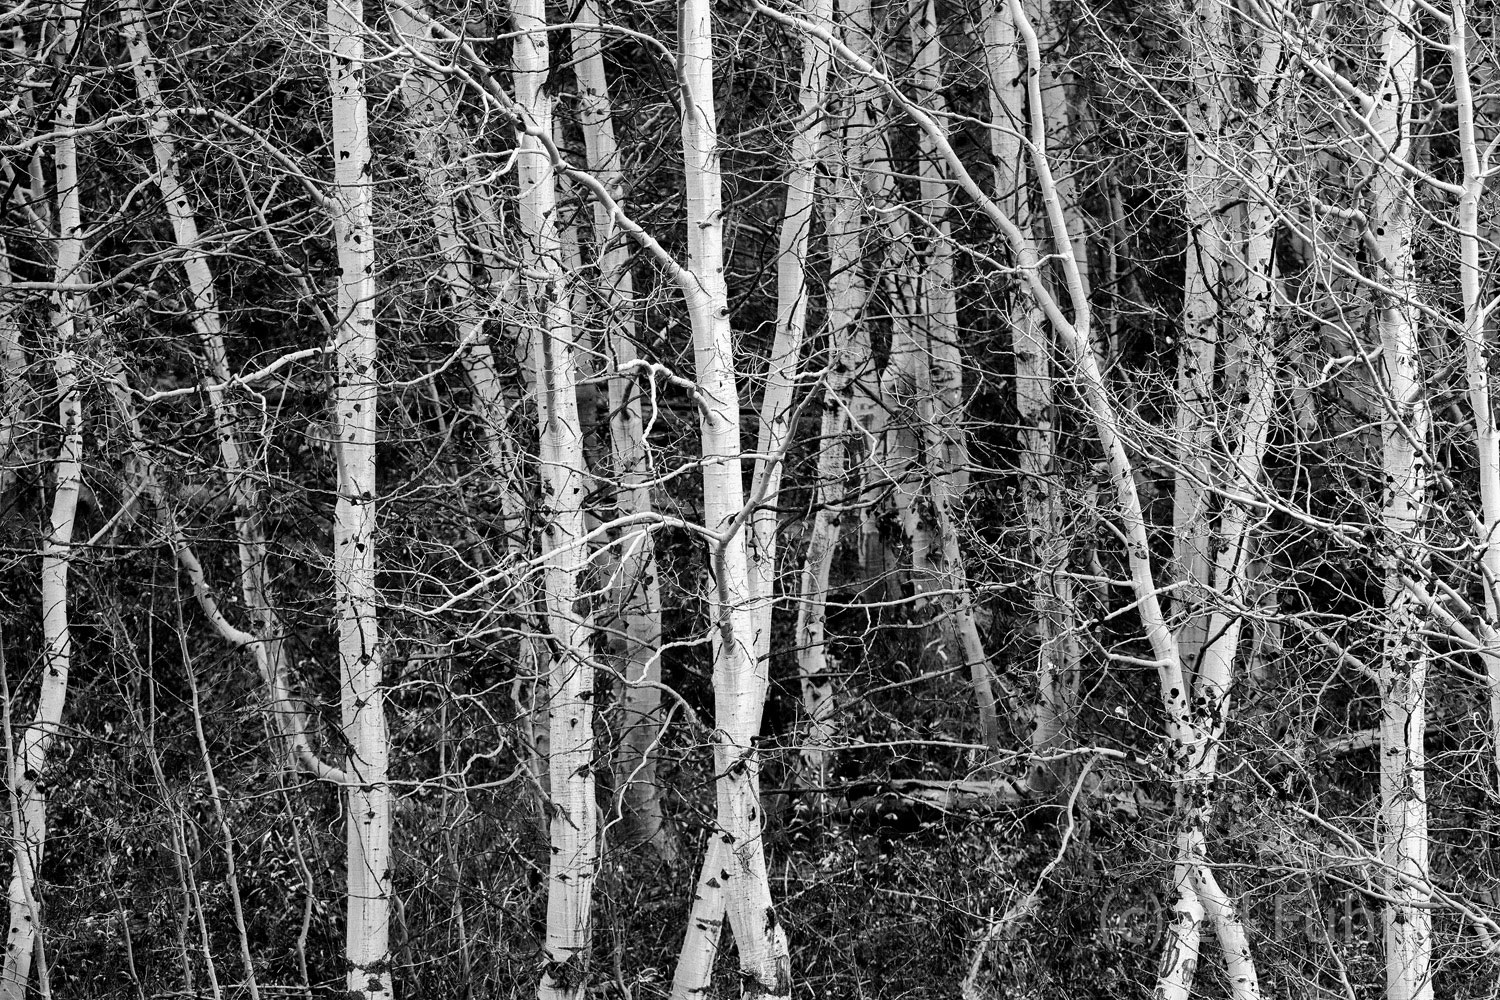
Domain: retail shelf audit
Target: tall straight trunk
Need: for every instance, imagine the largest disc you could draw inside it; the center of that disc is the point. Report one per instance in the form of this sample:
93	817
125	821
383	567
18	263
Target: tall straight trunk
1404	431
256	587
740	677
637	589
1051	597
28	780
936	324
1476	361
775	425
574	829
1197	352
355	397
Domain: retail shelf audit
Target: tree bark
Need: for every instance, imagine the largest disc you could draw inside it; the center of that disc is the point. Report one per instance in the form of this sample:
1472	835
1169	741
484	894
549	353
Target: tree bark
355	398
1476	360
739	675
638	588
1404	431
1041	495
1208	101
574	822
28	779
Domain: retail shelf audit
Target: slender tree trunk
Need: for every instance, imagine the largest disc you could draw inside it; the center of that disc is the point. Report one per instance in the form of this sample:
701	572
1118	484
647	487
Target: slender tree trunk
28	779
1062	129
1051	598
574	817
739	675
1404	431
638	589
1486	420
1208	101
775	431
848	363
355	397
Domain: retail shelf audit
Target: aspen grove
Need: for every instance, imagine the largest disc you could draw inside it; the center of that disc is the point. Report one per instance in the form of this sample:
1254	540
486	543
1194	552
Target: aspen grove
771	498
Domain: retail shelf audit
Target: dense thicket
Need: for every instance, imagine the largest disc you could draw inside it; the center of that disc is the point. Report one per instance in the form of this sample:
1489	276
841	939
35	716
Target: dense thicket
992	499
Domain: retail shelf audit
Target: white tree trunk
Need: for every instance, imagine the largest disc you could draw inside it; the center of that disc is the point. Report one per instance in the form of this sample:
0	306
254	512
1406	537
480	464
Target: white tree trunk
924	353
1404	430
1208	102
355	396
28	781
1051	600
739	675
775	431
848	363
574	829
1486	420
637	589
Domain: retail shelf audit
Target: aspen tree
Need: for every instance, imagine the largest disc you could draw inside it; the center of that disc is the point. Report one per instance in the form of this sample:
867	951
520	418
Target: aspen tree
1063	128
1476	167
845	419
932	362
739	676
28	778
1057	652
354	400
1403	836
638	587
1208	102
571	676
888	241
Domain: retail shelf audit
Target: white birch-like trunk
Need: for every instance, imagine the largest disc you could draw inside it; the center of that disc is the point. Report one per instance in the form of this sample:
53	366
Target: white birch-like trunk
775	431
637	589
848	361
28	781
573	814
355	396
1476	360
1193	429
739	675
1062	130
1402	830
1051	598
